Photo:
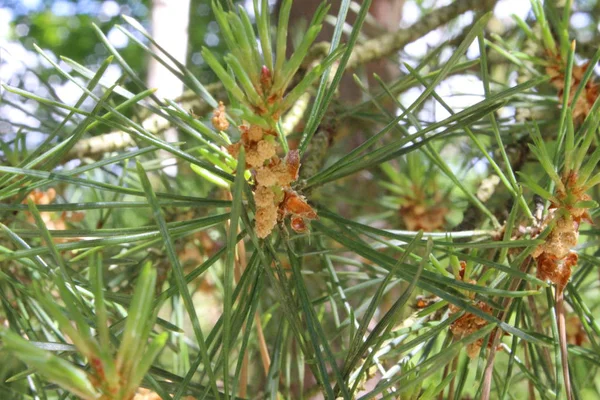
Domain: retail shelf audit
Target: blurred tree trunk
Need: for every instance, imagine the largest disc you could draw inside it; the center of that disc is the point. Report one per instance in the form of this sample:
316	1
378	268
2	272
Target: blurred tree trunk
169	19
387	14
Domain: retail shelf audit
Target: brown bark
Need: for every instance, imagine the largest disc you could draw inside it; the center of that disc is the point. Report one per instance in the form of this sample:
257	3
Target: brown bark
387	15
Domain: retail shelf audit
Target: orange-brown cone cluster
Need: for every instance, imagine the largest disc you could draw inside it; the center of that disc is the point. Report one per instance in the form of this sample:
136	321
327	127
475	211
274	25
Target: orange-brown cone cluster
417	214
259	145
469	323
586	99
273	195
555	257
417	217
275	198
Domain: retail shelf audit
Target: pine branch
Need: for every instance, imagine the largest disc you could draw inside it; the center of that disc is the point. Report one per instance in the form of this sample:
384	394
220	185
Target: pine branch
96	146
389	43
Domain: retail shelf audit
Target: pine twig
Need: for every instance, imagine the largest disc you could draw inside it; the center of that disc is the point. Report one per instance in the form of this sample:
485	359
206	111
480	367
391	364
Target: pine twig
497	334
96	146
562	331
387	44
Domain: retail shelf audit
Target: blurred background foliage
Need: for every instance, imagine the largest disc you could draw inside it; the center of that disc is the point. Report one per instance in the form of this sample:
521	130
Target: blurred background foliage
64	27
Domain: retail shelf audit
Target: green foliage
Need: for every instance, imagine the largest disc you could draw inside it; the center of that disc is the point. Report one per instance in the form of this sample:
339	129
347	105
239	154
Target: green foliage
260	86
118	378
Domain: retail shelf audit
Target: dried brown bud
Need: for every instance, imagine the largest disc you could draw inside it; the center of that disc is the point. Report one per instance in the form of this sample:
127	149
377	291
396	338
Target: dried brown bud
296	205
298	224
234	149
292	161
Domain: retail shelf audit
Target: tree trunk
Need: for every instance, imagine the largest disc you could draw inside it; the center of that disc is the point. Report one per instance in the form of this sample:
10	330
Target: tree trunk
170	19
387	14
